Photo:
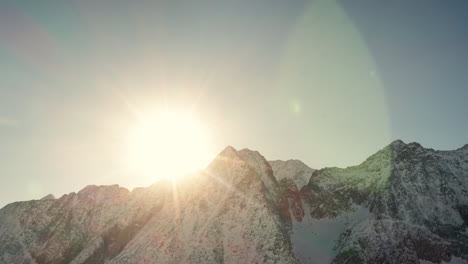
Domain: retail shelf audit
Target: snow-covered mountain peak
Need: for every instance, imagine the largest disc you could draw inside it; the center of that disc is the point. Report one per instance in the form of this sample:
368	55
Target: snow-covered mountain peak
234	166
399	146
228	150
245	157
48	197
404	204
387	156
397	143
296	170
463	149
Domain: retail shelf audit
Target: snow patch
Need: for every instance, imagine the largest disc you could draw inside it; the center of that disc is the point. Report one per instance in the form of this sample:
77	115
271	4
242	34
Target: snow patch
313	240
455	260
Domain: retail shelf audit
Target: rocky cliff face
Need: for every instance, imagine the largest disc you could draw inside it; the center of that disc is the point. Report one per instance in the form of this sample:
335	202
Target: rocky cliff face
404	204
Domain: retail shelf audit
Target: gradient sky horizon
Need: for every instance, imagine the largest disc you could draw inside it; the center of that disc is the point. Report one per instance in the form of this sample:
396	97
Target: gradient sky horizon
326	82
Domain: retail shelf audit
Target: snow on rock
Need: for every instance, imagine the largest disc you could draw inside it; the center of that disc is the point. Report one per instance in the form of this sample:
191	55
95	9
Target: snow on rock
314	239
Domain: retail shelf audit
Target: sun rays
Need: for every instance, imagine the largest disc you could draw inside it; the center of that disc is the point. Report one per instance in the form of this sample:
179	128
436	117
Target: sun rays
168	144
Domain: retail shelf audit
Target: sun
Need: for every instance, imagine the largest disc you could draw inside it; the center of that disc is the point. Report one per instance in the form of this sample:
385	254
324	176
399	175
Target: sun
168	145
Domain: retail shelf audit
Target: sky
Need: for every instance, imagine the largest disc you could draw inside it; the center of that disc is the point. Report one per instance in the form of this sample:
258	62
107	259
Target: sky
327	82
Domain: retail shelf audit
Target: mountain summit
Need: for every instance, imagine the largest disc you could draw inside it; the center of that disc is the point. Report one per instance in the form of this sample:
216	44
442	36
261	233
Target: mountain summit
404	204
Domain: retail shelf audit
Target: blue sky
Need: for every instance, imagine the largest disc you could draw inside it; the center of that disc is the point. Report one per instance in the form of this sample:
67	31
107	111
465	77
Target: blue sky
420	51
327	82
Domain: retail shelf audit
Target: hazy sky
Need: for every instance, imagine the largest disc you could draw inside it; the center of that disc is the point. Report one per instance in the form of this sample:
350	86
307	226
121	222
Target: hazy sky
327	82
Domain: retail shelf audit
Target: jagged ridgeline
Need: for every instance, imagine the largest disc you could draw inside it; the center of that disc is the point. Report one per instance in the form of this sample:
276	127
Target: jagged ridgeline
404	204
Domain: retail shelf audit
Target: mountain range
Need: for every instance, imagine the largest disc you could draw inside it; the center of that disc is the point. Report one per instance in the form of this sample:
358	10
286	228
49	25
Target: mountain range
404	204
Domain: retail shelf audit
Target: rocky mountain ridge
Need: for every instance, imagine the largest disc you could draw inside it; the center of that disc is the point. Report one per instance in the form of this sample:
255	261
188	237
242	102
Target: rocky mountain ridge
404	204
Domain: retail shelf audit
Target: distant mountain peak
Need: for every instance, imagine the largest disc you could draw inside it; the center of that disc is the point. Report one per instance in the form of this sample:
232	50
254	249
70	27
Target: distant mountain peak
293	169
290	161
232	160
397	143
228	150
48	197
251	157
465	147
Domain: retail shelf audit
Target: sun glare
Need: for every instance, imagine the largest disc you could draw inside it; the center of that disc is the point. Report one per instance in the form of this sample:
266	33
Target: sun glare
168	145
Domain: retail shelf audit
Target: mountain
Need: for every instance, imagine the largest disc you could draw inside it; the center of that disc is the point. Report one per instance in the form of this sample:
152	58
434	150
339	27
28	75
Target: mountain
227	213
404	204
48	197
295	170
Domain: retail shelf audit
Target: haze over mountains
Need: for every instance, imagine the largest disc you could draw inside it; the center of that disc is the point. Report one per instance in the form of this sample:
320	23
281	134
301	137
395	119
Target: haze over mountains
404	204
